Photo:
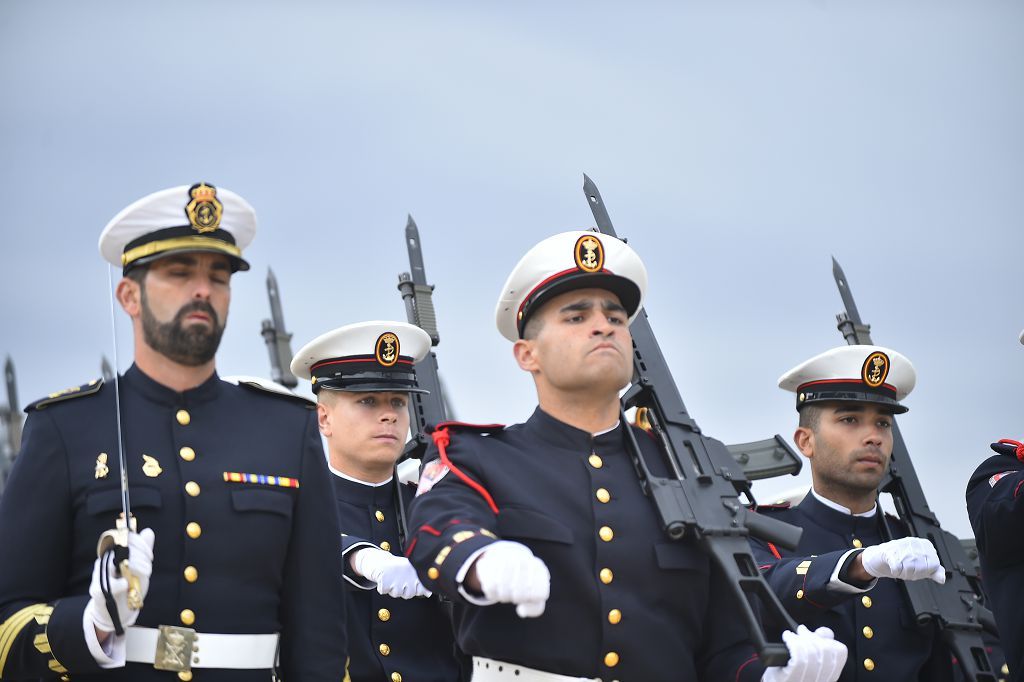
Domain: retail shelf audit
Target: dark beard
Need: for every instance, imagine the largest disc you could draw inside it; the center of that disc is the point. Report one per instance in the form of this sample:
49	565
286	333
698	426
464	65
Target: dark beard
191	347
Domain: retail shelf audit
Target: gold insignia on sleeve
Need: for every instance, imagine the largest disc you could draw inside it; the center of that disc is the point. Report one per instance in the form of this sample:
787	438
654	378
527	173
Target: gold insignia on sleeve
875	369
589	253
101	465
801	568
204	210
387	349
442	555
462	536
151	467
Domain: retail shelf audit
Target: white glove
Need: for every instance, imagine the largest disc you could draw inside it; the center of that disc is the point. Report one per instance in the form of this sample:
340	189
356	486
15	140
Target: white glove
813	657
394	575
509	573
904	559
140	561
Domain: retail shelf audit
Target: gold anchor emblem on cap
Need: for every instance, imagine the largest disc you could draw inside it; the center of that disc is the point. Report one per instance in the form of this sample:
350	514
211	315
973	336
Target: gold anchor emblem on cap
589	254
101	465
151	467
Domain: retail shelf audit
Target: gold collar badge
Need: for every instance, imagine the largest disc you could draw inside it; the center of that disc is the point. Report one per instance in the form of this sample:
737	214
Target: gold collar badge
204	211
101	465
589	253
151	467
875	369
387	349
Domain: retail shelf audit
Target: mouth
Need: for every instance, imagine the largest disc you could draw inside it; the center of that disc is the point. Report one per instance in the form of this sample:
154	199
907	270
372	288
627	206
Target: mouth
198	317
870	460
605	346
386	437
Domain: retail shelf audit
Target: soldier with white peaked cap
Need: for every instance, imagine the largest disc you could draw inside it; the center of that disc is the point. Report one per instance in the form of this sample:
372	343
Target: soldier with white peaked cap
234	563
844	573
362	376
541	530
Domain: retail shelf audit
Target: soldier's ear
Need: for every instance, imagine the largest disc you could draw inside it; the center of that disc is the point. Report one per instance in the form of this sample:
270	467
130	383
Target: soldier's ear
323	420
525	355
804	439
129	295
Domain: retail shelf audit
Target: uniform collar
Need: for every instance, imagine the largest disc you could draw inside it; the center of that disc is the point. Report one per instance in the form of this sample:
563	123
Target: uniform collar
840	508
352	491
563	435
840	522
157	392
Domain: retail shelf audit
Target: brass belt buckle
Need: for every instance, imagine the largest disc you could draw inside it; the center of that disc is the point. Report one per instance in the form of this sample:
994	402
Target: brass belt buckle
174	648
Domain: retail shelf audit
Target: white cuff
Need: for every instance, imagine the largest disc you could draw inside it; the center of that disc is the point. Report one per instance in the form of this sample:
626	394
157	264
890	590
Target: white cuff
366	583
461	575
837	585
112	653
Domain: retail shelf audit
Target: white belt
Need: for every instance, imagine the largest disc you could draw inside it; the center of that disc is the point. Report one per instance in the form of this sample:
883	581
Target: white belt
177	648
490	670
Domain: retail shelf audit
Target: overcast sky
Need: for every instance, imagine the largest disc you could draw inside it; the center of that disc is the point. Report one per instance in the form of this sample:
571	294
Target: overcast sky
737	144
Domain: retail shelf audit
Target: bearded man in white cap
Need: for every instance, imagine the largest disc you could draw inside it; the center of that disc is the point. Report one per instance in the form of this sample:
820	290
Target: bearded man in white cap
541	530
844	574
234	572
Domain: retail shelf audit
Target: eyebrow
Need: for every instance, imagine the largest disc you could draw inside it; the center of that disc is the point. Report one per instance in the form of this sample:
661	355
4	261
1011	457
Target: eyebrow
587	304
179	259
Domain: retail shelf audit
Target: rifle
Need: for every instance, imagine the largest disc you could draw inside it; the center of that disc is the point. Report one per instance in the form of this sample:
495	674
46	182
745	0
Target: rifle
701	498
278	340
425	409
955	607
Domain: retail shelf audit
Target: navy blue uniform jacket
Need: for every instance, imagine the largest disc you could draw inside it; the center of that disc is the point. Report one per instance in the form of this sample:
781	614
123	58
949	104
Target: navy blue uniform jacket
877	626
656	604
411	637
265	556
995	504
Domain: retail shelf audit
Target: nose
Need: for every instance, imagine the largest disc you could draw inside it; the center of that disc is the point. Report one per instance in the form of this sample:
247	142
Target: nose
202	289
389	415
874	436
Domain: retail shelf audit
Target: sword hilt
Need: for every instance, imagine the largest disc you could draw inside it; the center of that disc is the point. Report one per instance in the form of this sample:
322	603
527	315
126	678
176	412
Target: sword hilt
117	540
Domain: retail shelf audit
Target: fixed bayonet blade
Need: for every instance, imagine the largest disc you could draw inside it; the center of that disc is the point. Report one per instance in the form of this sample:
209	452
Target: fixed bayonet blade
597	207
12	386
276	314
844	292
412	242
105	371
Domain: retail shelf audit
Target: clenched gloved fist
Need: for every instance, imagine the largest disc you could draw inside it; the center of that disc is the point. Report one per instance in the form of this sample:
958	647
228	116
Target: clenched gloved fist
813	657
904	559
394	575
509	573
140	562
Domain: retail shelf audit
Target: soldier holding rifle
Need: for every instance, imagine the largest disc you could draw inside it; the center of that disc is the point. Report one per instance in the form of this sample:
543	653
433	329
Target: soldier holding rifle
844	573
235	569
542	529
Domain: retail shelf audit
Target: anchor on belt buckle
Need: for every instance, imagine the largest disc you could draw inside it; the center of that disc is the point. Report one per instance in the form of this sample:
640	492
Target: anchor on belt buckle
174	647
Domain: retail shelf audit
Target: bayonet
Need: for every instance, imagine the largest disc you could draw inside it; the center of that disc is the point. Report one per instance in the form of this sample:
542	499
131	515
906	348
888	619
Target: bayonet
105	371
955	607
277	338
701	500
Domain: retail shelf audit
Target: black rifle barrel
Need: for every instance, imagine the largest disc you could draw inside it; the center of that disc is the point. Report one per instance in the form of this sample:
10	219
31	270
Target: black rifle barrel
954	607
701	501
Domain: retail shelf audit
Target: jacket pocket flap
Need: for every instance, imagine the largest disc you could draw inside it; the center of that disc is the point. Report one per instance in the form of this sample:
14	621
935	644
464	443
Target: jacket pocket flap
262	500
677	556
526	523
110	500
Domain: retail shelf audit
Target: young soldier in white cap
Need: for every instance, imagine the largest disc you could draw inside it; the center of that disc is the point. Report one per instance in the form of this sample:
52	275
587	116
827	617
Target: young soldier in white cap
541	529
843	574
234	566
995	505
362	376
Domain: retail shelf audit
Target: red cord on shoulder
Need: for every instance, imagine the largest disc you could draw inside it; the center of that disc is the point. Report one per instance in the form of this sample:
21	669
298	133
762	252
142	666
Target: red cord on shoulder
442	440
1016	444
739	670
774	551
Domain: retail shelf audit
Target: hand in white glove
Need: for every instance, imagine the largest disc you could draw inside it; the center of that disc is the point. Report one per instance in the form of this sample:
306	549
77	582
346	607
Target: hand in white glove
813	657
509	573
904	559
394	575
140	562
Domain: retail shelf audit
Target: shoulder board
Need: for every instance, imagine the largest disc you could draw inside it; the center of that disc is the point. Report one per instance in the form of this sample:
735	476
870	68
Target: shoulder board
1010	448
268	386
781	504
463	426
67	394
